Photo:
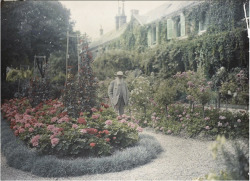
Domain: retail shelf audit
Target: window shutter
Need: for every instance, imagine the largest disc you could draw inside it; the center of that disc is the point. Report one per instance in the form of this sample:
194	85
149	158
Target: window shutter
169	29
183	25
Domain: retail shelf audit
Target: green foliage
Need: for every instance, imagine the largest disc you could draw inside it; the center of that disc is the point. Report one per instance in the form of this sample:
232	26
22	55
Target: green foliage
14	75
113	61
166	93
237	163
32	28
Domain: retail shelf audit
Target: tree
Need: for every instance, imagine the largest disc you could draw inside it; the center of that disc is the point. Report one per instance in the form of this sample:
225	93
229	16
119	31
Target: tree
32	28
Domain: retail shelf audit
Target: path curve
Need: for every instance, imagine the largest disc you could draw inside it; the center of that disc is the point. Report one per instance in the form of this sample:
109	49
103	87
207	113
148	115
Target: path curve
182	159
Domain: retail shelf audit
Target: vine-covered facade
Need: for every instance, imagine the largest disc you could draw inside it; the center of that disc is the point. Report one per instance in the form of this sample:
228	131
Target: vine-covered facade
186	35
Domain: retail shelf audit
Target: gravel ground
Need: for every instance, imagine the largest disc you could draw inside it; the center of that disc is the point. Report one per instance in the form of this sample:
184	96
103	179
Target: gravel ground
182	159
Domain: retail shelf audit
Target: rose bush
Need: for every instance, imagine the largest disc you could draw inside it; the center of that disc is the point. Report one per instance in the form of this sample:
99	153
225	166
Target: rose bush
182	120
49	129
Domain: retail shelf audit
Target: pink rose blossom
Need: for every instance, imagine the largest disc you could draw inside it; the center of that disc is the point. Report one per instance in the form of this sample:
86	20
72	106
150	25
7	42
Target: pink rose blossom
84	131
222	117
219	124
207	118
238	120
169	131
108	122
207	127
96	116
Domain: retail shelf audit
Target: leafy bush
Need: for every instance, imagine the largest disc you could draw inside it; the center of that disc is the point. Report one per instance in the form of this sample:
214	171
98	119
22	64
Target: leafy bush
51	130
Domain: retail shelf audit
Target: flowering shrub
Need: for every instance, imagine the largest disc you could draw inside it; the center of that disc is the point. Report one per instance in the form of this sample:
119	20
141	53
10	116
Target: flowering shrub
139	96
52	131
181	120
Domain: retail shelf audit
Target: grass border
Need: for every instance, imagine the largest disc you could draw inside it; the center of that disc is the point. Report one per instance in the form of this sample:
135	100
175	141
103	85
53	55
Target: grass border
21	157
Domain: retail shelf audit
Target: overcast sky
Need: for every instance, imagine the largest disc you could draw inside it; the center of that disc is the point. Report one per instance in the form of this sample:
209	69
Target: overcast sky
90	15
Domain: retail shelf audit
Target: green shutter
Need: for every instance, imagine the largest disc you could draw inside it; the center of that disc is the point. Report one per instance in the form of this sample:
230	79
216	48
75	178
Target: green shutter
169	29
183	25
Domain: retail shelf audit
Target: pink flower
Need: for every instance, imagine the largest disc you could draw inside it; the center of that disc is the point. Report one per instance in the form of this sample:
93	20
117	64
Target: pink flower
81	120
27	125
108	122
21	130
54	119
35	140
31	130
54	141
94	109
207	118
219	124
50	127
181	119
145	122
114	138
161	128
74	126
169	131
238	120
96	116
107	139
123	121
207	127
183	125
139	129
222	117
119	117
84	131
64	119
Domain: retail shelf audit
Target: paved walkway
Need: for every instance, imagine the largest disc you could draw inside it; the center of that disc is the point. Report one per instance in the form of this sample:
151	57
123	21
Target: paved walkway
182	159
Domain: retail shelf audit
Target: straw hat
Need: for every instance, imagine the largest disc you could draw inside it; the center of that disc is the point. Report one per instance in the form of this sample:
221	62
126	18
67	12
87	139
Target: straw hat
119	73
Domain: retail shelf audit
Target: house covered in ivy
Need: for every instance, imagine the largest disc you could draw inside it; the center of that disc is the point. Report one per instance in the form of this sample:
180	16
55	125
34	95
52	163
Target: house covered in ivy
181	35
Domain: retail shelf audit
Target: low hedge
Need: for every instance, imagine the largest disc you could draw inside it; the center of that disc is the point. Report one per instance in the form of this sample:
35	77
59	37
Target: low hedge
21	157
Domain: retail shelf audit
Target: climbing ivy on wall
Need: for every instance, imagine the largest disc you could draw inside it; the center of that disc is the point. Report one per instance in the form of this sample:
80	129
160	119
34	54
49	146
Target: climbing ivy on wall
225	42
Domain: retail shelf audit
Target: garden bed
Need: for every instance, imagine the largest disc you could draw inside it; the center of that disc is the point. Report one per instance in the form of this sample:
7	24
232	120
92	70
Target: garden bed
21	157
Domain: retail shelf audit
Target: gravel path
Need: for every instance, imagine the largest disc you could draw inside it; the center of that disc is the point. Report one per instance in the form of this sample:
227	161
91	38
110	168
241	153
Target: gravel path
182	159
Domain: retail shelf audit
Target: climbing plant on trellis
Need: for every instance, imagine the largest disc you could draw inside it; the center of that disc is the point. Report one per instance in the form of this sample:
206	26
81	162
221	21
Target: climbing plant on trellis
80	90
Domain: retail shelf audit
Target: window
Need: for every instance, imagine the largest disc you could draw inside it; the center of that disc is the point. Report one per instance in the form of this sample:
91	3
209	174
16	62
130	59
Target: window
154	35
178	27
203	23
183	25
169	29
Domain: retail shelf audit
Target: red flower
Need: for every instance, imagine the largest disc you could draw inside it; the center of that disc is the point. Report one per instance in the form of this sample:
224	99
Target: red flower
108	139
81	121
92	144
106	131
114	138
92	131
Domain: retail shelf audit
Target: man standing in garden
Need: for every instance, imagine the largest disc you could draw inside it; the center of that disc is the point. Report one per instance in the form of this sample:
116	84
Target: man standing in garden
118	93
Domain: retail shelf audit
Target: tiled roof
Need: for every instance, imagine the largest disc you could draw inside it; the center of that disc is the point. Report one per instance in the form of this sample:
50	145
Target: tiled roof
165	10
108	37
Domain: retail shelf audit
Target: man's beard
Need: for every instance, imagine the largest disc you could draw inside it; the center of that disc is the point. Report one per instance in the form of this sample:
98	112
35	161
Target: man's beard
119	80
